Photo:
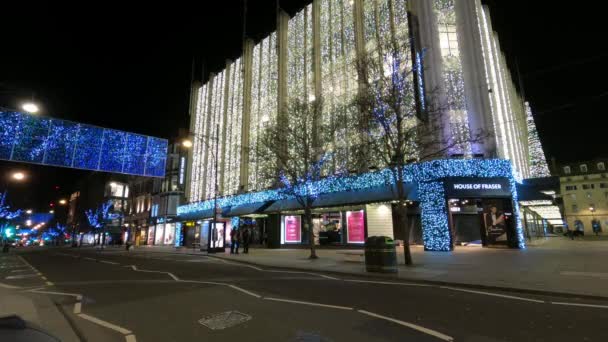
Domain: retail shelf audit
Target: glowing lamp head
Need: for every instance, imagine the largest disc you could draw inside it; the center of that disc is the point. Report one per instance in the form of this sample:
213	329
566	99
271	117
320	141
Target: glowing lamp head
63	202
30	107
187	143
19	176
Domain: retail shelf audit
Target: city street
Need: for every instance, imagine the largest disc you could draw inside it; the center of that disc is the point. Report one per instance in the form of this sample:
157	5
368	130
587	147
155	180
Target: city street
116	295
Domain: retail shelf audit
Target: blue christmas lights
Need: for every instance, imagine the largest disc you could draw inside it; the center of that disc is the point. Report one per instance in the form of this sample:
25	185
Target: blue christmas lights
428	176
34	139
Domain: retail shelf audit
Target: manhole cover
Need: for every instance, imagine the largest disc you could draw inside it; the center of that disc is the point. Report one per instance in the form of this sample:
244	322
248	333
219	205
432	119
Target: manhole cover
224	320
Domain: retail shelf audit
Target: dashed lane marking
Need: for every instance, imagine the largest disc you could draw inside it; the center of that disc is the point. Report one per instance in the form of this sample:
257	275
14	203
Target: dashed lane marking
245	291
105	324
309	303
581	304
386	283
7	286
494	294
419	328
150	271
22	276
109	262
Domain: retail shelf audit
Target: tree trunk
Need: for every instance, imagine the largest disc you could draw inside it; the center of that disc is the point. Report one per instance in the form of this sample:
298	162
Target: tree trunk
401	221
311	234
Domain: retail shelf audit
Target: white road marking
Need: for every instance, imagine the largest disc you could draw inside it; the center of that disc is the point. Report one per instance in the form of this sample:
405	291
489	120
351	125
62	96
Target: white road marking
386	283
308	303
245	291
585	274
27	263
494	294
25	270
76	295
130	338
87	258
21	276
150	271
49	283
410	325
581	304
109	262
77	308
105	324
6	286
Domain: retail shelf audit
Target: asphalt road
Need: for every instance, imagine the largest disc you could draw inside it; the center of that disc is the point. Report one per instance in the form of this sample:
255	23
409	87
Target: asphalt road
136	296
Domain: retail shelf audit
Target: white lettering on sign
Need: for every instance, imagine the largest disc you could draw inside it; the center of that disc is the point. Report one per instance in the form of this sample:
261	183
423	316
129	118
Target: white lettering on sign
477	186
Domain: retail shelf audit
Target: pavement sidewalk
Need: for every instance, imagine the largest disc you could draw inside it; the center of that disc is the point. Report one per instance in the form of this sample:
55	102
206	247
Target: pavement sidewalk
553	266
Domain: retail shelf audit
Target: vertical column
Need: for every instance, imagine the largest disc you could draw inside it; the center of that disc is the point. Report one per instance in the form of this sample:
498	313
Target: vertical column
282	56
437	132
476	87
205	135
194	98
316	72
362	77
222	136
247	63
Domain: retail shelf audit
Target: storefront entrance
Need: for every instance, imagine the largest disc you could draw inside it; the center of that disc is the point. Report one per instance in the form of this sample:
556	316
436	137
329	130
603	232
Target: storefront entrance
482	222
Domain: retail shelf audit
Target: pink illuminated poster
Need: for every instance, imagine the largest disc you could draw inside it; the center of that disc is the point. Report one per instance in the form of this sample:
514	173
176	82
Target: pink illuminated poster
355	223
293	230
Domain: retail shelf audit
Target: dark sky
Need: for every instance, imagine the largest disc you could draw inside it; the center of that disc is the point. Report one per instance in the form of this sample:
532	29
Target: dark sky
129	66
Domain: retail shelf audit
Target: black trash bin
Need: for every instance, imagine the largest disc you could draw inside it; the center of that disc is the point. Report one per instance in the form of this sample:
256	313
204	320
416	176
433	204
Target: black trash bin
380	254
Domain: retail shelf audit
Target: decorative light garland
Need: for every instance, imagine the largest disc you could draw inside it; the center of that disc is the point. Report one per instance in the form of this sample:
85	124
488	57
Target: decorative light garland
428	176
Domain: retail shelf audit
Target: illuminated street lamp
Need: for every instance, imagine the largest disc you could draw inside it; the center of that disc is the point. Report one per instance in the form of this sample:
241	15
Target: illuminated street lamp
63	202
51	211
29	211
18	176
187	143
30	107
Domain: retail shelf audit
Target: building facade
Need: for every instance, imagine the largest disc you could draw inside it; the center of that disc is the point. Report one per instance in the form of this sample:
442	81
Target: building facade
458	67
584	190
137	216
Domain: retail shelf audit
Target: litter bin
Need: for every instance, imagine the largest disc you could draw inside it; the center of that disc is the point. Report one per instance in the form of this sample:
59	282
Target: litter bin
380	254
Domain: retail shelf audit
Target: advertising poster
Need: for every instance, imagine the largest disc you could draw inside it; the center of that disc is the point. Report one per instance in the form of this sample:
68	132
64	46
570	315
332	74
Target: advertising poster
355	223
293	229
496	225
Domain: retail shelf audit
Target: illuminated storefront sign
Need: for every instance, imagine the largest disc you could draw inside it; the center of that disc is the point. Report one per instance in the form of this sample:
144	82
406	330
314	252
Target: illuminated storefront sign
477	187
355	223
293	229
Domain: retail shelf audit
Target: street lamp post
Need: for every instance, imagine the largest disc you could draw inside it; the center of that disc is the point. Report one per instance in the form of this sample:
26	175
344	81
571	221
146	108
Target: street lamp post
187	143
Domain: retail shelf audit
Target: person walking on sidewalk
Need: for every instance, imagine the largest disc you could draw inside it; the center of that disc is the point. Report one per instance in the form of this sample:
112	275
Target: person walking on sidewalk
246	240
234	241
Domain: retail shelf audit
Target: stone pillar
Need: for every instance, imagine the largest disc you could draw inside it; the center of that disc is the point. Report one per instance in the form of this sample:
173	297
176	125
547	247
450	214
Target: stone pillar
194	98
437	132
476	87
317	77
247	64
224	120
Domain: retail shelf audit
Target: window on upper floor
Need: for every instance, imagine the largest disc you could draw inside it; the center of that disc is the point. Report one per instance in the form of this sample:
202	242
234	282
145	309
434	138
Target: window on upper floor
570	188
574	208
583	167
589	195
603	185
588	186
573	197
567	170
601	166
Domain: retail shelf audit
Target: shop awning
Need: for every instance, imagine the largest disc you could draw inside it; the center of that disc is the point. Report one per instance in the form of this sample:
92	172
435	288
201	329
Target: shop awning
363	196
527	192
247	209
199	215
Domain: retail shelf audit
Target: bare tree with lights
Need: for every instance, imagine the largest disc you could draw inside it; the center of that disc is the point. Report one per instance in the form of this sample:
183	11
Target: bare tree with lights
97	218
296	147
400	124
6	215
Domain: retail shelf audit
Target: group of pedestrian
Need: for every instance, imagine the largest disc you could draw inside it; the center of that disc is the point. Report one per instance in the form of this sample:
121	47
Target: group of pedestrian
240	237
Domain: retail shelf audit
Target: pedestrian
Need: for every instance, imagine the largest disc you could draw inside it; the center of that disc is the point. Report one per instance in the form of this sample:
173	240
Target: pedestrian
246	240
234	240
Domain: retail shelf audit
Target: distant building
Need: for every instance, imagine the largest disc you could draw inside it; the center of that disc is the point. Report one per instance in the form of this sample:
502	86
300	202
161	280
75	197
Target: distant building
168	194
584	189
137	216
91	192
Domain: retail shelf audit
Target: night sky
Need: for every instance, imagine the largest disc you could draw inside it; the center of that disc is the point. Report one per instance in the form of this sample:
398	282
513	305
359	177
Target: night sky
129	67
